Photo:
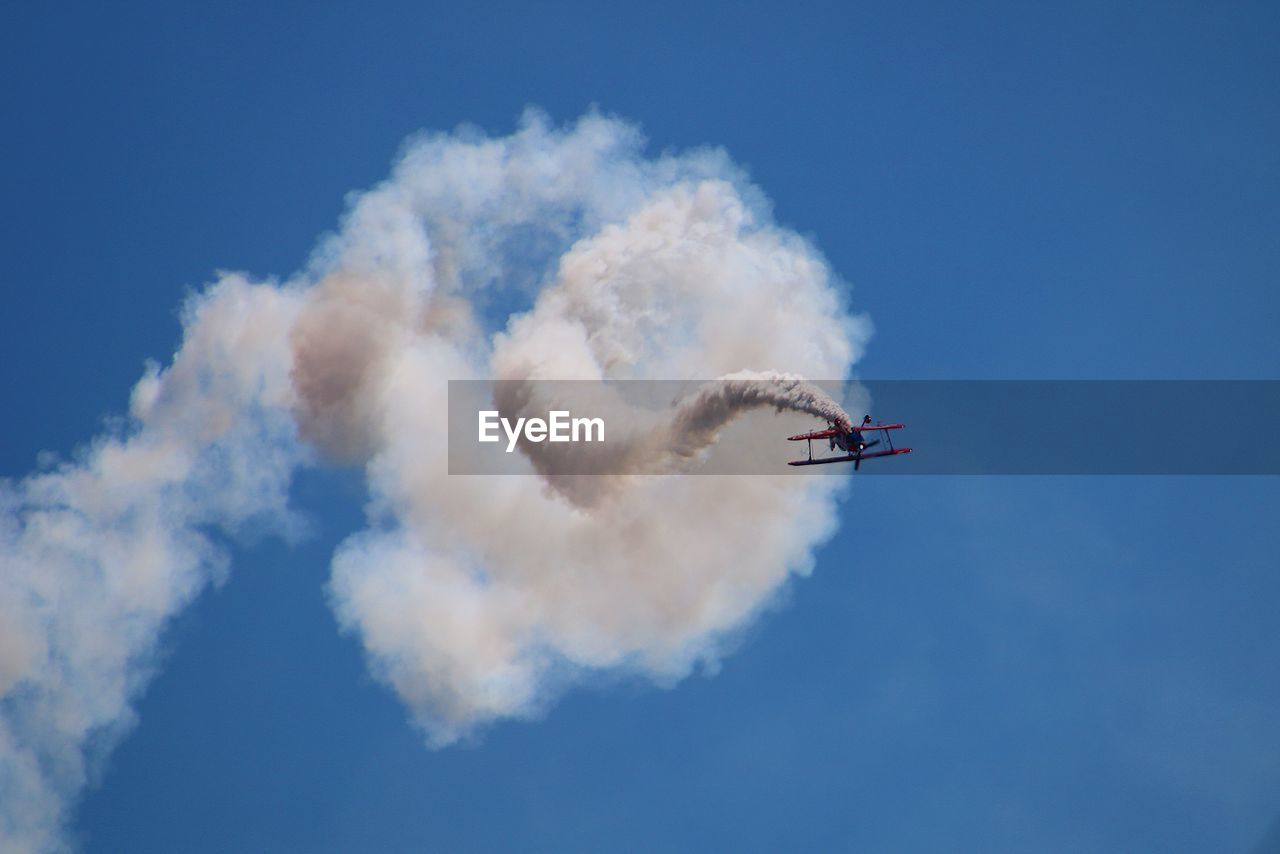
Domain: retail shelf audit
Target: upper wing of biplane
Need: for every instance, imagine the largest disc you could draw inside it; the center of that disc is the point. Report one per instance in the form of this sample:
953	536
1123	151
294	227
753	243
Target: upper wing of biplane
865	427
821	434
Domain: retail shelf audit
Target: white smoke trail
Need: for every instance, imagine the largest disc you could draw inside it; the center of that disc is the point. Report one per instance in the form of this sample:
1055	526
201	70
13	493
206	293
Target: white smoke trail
644	441
716	404
547	254
97	554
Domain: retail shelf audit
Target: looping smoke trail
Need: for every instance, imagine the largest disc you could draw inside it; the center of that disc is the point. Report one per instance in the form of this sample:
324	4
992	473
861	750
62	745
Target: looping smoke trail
716	404
547	254
644	441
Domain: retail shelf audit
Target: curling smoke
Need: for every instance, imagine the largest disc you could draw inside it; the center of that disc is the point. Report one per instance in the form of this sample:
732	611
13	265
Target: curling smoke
642	442
716	404
548	254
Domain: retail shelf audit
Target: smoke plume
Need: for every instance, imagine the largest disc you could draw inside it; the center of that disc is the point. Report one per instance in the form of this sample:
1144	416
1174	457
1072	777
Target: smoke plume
700	419
642	440
553	253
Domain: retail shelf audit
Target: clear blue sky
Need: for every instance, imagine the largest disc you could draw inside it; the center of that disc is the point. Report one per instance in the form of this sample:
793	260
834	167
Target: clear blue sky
983	664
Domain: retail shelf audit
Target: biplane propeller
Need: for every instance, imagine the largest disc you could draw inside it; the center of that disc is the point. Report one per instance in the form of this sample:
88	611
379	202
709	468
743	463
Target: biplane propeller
853	442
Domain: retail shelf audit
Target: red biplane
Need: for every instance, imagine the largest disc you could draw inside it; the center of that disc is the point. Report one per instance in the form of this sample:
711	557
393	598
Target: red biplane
853	443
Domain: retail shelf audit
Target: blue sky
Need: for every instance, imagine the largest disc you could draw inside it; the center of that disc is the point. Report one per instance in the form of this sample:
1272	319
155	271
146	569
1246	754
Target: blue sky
976	663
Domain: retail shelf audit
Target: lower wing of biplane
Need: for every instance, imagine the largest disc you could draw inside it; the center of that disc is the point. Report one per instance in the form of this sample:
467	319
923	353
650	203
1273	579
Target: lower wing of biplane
855	450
